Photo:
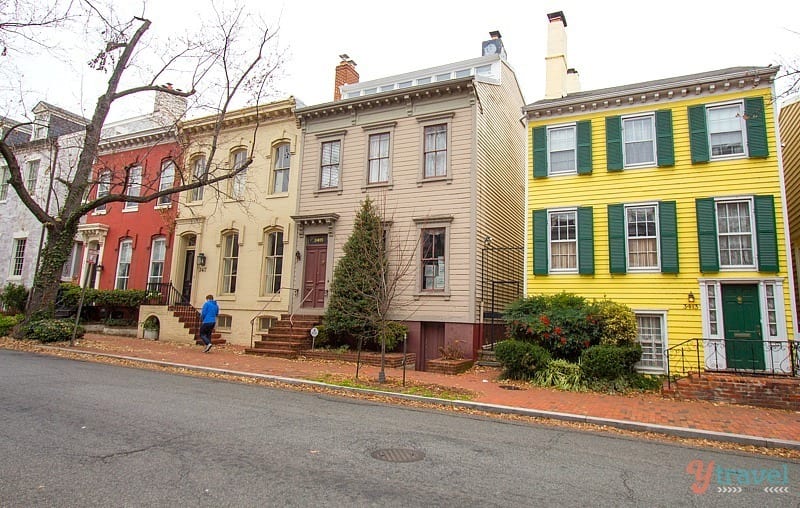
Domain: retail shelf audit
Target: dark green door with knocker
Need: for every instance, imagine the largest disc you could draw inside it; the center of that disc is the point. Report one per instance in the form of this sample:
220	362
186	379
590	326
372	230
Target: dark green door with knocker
741	316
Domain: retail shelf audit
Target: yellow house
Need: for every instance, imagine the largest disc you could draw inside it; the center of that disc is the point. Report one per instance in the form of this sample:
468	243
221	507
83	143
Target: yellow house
233	240
667	196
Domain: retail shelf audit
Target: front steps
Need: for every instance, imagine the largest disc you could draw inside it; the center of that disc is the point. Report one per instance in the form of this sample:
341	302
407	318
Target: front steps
190	318
286	338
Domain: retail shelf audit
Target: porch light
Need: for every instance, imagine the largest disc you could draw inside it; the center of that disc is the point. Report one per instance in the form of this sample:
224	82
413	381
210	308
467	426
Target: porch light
690	297
201	259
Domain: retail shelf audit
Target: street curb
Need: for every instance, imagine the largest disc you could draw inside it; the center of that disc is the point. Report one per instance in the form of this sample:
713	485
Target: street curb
683	432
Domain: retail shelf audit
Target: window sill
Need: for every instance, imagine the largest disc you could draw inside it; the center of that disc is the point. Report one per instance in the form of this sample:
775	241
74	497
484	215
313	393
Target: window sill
100	212
444	295
129	210
225	298
422	181
193	203
163	206
379	185
277	195
335	190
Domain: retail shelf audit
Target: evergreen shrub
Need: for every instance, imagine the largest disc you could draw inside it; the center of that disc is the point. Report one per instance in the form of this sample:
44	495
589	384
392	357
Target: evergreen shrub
520	359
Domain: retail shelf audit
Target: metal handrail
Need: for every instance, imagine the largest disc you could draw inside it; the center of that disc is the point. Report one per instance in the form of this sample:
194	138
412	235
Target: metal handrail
164	293
253	320
291	316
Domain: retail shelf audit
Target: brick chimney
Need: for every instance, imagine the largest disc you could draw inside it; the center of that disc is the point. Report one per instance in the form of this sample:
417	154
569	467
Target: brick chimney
346	74
559	79
168	108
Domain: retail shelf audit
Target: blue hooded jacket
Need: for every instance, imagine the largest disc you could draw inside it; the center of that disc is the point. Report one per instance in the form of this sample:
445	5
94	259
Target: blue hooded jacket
209	312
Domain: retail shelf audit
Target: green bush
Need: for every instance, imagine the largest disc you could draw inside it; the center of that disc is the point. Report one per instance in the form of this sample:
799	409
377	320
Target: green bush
561	374
14	298
394	336
617	323
7	323
70	295
51	330
609	362
520	360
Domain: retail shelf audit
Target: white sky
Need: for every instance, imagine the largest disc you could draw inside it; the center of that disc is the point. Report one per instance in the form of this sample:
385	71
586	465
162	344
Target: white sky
610	43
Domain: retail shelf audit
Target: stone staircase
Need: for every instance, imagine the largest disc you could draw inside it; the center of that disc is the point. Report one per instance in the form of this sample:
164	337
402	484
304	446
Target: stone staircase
190	318
286	338
486	358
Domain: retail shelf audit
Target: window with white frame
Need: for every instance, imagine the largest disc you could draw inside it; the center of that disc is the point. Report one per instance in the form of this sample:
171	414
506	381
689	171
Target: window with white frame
329	168
239	180
273	262
378	158
224	322
134	187
199	171
434	262
638	136
4	176
265	323
435	150
280	180
651	335
158	254
641	223
561	150
72	266
103	188
124	264
735	232
18	257
166	180
31	175
230	262
563	240
726	127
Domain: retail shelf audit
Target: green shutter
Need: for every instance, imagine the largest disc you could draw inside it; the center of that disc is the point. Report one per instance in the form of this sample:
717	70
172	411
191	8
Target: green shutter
664	143
539	152
668	230
585	147
540	242
766	235
756	127
616	239
698	134
585	241
707	234
614	143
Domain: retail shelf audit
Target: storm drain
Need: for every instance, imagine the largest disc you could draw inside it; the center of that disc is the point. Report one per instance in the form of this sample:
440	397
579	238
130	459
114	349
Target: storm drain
398	455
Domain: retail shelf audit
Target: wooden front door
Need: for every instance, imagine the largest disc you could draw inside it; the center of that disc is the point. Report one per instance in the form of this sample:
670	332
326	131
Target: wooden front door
431	339
315	269
188	276
742	320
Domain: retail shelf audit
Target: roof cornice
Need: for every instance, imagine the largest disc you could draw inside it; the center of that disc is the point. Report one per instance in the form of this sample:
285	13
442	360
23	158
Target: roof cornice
278	110
134	139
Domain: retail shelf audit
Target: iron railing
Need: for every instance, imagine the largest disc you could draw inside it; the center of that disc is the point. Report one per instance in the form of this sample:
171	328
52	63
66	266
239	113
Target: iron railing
164	293
502	272
259	314
764	357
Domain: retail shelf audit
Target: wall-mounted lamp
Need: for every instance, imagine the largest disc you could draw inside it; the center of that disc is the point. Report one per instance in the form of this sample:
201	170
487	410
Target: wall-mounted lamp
298	256
98	268
201	259
690	297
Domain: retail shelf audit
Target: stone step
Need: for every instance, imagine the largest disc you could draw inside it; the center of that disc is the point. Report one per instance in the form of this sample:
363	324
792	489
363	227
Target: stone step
279	334
280	345
291	355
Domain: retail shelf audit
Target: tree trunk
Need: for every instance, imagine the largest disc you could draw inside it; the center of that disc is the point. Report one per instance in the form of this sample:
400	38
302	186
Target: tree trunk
42	300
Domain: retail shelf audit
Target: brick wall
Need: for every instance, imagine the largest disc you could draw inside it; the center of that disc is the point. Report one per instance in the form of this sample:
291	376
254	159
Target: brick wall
761	391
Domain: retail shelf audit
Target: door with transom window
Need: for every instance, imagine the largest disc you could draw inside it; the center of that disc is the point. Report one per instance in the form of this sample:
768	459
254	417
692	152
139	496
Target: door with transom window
741	314
314	273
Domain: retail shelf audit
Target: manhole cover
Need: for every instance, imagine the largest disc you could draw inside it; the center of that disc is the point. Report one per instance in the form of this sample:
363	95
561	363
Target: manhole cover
398	455
510	387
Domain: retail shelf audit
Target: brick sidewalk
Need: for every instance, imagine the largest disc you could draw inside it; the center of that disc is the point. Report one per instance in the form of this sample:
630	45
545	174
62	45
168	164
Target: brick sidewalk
646	409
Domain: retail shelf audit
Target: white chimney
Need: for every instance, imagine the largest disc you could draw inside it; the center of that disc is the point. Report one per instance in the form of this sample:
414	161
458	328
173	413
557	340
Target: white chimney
573	81
556	60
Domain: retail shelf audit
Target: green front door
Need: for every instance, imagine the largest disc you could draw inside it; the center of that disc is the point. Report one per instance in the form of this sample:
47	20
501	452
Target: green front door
742	320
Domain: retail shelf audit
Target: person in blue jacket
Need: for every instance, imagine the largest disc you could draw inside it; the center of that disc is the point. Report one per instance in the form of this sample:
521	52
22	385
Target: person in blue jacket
208	318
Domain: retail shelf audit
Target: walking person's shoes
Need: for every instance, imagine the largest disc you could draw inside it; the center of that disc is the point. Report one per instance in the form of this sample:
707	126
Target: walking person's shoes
207	349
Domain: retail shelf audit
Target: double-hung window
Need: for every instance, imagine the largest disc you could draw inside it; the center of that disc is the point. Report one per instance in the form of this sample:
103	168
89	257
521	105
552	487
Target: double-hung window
329	168
638	136
563	241
273	262
642	236
280	180
230	262
158	253
735	230
435	150
378	158
561	149
103	189
726	130
239	179
32	176
18	257
4	176
166	180
124	264
199	171
434	262
134	187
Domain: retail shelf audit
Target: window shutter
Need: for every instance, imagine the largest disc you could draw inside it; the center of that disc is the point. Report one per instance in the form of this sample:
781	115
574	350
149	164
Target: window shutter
539	152
766	235
668	230
540	242
665	145
584	147
616	239
698	134
614	143
585	241
707	234
756	127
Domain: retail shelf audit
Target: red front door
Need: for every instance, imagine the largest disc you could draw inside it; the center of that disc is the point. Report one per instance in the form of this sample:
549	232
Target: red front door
314	275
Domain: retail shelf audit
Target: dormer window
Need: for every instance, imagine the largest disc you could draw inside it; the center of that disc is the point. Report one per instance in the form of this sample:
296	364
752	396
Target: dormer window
39	129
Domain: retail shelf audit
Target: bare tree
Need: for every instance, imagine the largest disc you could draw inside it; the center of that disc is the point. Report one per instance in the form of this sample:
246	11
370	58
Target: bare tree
232	58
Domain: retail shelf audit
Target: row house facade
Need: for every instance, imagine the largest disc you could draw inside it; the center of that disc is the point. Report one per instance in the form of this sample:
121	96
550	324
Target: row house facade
667	196
442	153
234	239
789	122
47	151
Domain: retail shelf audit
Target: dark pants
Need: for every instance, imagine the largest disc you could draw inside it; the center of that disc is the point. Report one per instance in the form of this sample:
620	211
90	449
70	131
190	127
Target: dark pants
205	332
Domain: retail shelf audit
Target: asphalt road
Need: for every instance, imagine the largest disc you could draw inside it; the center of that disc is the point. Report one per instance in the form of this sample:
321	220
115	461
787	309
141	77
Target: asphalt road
83	434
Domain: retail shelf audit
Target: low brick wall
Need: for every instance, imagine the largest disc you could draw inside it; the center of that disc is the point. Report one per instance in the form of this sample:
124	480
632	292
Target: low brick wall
761	391
392	360
451	367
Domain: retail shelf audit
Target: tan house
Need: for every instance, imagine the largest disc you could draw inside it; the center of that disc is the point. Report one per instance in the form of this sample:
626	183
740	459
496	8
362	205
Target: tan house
230	240
442	150
789	123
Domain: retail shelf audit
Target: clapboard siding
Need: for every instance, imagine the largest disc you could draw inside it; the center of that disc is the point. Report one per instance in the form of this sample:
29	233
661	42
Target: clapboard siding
790	140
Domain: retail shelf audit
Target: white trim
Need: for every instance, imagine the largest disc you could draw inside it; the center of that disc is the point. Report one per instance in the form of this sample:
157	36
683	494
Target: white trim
648	164
664	339
550	269
550	128
742	125
647	269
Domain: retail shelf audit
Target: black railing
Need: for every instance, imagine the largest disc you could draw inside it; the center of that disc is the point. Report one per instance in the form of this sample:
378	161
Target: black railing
164	293
765	357
501	282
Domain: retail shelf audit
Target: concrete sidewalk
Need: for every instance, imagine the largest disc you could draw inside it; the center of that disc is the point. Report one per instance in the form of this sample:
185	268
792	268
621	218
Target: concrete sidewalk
772	428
